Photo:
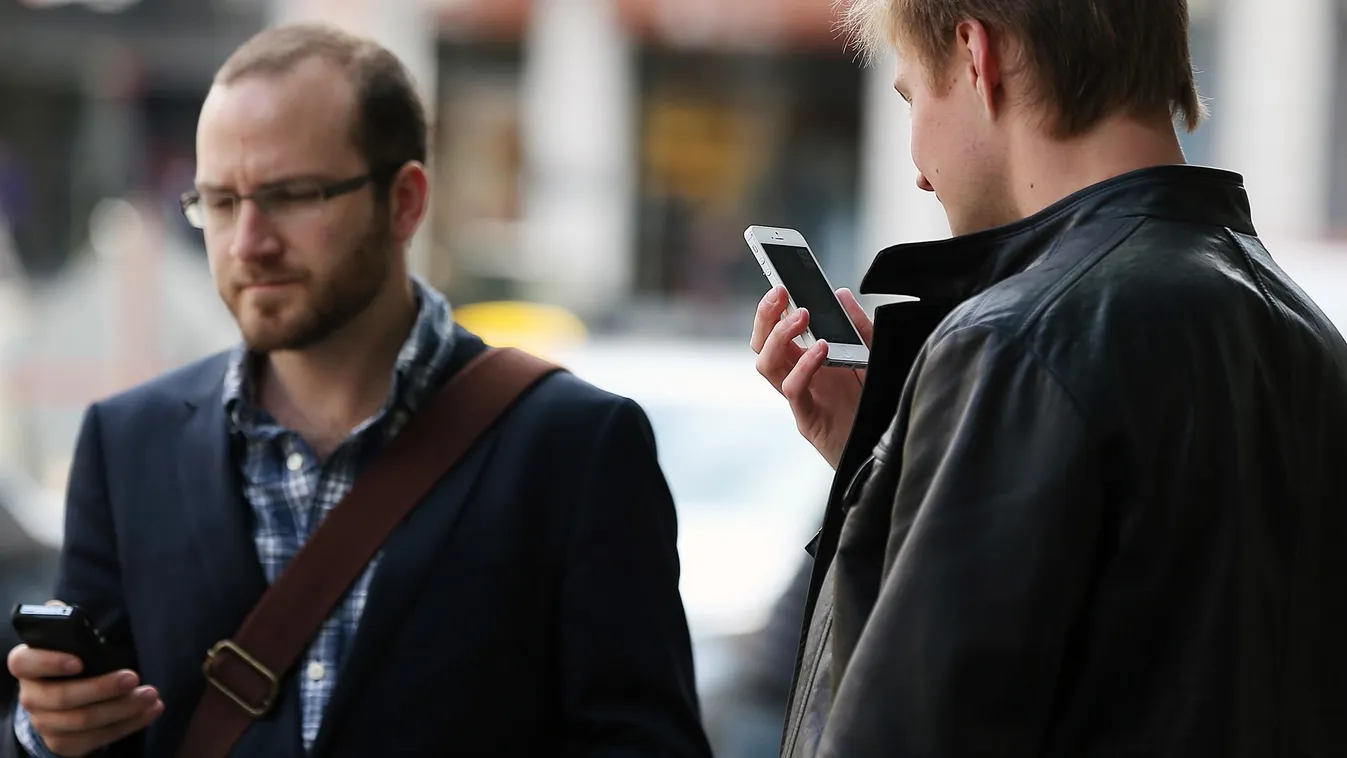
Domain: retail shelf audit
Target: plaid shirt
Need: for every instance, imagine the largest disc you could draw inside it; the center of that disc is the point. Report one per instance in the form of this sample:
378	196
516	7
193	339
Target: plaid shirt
290	490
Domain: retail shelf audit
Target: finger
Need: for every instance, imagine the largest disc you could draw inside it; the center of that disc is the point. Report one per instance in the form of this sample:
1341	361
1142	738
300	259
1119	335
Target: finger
796	384
55	603
858	315
86	742
768	314
30	663
780	352
98	716
69	694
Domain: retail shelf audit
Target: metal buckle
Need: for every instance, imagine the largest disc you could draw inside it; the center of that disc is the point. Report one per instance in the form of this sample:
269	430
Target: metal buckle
273	683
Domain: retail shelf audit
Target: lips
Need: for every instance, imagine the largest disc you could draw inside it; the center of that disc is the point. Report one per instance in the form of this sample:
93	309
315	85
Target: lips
267	285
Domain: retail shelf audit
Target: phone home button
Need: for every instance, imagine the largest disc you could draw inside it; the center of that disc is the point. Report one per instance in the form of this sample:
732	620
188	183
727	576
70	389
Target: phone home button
845	352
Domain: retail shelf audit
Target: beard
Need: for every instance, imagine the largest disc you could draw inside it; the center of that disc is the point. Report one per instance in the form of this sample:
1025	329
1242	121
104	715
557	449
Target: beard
311	306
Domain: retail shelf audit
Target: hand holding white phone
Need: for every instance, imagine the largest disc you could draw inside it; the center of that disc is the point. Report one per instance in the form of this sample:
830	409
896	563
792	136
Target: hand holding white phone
822	399
787	261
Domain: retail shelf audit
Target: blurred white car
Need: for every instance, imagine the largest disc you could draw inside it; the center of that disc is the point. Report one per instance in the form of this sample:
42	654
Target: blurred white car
15	314
1320	268
749	490
13	291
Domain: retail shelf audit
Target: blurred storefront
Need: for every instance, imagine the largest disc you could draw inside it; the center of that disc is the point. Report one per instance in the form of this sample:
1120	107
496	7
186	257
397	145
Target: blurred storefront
591	153
715	116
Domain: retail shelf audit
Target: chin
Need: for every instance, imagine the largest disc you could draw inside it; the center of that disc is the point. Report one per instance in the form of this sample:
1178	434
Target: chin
267	340
267	335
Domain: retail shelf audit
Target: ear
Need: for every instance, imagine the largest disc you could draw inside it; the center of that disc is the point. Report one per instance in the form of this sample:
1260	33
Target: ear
982	58
409	196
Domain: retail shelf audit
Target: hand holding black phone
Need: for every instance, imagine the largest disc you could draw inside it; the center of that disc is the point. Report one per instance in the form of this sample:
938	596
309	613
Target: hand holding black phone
100	704
67	629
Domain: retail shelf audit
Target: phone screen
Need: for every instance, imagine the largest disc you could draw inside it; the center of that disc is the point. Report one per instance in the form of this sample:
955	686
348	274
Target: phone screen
809	290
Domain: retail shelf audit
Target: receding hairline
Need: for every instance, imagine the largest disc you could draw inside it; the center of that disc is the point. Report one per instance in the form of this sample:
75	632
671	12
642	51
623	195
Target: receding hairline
346	99
388	116
226	78
229	78
282	49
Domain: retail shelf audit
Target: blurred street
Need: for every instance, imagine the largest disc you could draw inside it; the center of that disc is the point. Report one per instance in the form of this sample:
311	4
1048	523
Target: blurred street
600	158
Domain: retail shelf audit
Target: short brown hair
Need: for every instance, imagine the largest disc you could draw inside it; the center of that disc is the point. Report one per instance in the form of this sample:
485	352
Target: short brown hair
389	126
1087	59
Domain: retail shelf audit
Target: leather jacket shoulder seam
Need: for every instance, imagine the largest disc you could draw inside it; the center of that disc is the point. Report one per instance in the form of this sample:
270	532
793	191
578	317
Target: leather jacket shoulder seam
1252	270
1055	292
1025	351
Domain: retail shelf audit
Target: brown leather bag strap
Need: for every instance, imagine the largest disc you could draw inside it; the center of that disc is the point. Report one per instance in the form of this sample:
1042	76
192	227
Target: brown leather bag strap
245	673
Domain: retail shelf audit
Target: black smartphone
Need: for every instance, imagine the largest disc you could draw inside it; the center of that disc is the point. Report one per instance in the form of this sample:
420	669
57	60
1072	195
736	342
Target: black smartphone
67	629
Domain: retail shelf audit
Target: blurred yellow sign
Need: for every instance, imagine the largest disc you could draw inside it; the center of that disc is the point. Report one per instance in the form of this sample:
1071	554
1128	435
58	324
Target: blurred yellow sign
704	150
534	327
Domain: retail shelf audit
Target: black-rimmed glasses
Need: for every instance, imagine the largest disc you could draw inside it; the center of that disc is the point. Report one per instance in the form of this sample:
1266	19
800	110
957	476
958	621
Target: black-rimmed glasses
284	201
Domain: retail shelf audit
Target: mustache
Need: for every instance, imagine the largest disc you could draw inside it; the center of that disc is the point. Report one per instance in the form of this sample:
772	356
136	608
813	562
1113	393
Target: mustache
245	279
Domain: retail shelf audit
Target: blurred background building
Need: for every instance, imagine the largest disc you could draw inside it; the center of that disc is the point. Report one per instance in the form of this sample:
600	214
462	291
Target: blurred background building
600	157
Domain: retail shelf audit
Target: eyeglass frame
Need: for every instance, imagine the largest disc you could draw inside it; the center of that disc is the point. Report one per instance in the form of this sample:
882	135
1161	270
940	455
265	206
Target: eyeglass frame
191	199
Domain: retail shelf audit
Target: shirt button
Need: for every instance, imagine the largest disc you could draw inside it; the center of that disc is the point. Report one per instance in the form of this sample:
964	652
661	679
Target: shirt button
317	671
295	462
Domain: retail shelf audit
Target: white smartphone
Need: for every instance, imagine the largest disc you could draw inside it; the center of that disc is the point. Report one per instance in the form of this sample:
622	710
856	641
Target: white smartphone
787	261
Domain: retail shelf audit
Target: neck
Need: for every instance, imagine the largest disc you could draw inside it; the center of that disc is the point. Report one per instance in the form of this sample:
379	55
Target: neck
326	390
1051	169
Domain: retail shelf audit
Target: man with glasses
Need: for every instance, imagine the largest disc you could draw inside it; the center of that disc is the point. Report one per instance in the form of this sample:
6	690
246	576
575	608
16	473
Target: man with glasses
528	606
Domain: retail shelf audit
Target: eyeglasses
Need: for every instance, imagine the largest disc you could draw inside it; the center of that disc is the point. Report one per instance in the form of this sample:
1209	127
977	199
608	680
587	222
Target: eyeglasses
219	209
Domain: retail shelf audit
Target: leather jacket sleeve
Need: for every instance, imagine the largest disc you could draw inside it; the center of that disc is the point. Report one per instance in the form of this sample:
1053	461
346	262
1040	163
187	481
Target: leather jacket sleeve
994	528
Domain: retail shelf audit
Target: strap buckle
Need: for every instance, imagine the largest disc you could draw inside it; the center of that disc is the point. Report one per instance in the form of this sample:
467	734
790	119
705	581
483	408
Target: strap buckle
272	681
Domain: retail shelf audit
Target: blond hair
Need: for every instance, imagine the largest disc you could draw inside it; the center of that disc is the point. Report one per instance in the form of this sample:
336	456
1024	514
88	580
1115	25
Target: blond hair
1087	59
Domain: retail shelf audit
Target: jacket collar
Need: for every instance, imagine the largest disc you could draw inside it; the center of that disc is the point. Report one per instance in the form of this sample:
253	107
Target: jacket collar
952	270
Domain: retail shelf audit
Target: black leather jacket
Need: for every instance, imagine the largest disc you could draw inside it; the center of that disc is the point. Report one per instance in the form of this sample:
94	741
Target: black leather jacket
1095	502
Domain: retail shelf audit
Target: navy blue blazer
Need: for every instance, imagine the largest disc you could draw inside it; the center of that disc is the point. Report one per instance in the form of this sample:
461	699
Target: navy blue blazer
529	606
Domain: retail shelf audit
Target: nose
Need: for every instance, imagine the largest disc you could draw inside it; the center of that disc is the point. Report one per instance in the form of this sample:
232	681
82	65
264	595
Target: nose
254	236
923	184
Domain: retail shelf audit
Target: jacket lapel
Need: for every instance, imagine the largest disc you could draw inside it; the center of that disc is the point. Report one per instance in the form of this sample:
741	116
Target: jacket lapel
219	523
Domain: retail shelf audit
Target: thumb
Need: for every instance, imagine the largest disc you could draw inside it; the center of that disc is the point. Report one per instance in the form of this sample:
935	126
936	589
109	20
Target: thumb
858	315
